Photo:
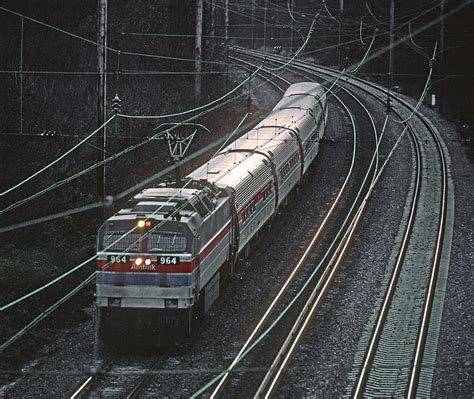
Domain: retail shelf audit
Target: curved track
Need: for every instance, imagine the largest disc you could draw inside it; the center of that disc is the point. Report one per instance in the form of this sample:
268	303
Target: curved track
429	150
320	279
374	364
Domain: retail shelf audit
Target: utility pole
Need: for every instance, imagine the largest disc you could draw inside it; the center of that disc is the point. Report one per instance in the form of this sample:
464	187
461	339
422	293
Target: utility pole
341	8
198	54
390	59
249	98
265	24
213	19
293	27
102	98
252	44
441	58
226	23
21	75
227	69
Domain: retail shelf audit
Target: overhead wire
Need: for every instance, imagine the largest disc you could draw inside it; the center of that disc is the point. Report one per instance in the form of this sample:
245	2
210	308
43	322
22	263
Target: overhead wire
64	181
411	37
122	195
281	25
111	158
373	15
361	63
52	163
426	88
420	29
428	25
360	33
298	52
55	305
98	204
108	48
122	72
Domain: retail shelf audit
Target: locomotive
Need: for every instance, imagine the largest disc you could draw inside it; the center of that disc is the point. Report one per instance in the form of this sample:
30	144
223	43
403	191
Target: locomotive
165	254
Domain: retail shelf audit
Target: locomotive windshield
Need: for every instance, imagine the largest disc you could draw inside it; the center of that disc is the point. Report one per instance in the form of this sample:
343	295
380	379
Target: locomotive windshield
160	241
166	242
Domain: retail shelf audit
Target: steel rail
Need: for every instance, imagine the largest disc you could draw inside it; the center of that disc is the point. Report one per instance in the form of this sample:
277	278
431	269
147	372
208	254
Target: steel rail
88	383
421	339
430	293
82	388
86	388
135	392
393	281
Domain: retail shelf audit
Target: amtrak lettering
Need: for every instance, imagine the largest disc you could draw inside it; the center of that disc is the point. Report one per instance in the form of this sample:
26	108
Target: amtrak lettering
143	267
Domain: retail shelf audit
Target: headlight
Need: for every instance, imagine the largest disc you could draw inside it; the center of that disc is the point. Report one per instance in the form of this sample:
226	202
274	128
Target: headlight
138	261
141	223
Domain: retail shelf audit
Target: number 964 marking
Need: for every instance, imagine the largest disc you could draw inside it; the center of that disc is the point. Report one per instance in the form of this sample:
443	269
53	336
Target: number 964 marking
117	258
168	260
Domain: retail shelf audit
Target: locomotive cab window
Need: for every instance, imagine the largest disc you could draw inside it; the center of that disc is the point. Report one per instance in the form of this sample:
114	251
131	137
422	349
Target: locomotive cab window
166	242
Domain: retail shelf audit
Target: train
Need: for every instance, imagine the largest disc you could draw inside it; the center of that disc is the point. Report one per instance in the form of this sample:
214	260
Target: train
165	254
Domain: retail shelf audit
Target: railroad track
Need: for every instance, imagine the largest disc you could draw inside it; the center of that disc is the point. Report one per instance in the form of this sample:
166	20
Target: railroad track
403	322
230	383
121	378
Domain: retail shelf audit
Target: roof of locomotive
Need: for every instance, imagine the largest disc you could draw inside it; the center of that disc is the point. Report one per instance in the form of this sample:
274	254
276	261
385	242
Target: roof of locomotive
166	192
159	203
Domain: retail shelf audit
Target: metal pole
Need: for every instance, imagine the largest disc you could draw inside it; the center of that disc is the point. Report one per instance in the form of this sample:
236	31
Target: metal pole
390	60
227	68
226	16
265	24
213	19
341	8
292	28
21	75
252	44
102	98
249	100
441	58
198	55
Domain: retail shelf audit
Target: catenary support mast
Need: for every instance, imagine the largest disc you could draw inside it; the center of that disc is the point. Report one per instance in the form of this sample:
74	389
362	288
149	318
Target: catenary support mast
102	97
198	55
